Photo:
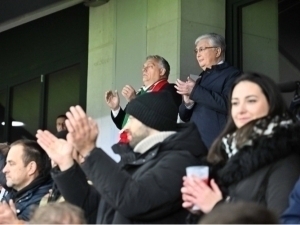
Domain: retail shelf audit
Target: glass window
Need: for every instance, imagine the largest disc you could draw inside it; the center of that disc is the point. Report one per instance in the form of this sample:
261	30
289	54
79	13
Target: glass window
25	110
2	115
63	92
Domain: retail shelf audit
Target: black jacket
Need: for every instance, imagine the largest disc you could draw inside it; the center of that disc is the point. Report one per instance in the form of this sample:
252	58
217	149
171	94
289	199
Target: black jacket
210	95
73	186
265	172
147	189
118	120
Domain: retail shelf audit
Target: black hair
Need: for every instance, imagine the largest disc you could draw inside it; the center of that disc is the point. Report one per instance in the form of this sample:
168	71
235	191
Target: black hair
277	106
32	151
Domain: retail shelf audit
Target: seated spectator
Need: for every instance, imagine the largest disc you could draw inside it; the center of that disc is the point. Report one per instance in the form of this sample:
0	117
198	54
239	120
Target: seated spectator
156	71
145	189
292	213
28	179
60	123
240	213
58	213
256	158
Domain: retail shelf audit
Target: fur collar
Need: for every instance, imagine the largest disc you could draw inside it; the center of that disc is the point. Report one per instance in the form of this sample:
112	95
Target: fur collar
264	151
262	127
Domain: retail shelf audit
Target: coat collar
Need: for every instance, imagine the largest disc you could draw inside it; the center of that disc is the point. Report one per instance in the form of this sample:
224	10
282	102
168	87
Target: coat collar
152	140
264	151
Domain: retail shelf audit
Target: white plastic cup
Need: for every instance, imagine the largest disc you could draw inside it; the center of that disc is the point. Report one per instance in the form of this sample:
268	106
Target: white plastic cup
198	171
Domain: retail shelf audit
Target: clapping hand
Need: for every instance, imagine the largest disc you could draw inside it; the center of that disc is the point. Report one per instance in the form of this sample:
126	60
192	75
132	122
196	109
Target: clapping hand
59	150
185	88
128	92
8	213
112	99
197	192
83	130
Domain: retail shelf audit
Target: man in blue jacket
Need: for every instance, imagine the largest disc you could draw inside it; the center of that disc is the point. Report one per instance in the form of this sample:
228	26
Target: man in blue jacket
28	179
205	100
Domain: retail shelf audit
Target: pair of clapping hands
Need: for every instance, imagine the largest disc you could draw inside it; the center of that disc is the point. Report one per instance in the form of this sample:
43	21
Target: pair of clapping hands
198	194
81	139
8	213
185	88
113	100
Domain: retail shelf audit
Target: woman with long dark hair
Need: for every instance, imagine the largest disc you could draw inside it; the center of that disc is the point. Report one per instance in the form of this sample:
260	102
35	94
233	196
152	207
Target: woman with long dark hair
256	158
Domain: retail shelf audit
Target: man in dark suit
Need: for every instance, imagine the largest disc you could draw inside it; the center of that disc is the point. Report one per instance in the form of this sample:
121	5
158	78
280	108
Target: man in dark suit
156	71
205	101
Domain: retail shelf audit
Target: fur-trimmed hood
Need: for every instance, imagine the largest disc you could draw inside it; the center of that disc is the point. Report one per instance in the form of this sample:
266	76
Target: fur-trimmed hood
264	151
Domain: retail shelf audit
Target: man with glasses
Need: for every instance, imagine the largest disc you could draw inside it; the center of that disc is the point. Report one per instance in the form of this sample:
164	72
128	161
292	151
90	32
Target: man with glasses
205	100
155	72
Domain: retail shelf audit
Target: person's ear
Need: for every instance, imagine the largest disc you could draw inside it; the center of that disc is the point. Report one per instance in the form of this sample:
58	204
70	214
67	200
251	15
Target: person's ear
31	167
162	72
218	52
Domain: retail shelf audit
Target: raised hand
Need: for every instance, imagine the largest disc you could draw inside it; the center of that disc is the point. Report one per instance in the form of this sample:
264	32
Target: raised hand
8	213
197	192
112	99
128	92
83	130
58	150
185	88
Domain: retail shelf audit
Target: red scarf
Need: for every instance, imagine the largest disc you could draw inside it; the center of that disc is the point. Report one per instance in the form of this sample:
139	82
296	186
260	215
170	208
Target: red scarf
157	86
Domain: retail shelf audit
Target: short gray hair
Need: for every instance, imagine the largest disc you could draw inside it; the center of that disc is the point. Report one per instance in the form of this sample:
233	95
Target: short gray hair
162	62
215	40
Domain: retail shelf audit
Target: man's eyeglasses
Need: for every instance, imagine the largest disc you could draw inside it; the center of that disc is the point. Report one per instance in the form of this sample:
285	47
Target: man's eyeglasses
202	49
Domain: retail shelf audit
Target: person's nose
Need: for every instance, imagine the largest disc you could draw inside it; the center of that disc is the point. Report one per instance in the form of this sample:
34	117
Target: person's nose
5	169
242	108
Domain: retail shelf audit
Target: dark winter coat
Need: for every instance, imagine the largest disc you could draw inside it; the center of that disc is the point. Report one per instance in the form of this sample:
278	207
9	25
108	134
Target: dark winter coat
292	214
73	186
118	120
210	95
147	188
29	197
265	172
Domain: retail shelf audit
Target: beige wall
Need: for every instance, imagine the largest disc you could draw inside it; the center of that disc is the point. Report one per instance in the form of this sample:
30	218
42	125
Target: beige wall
101	67
197	18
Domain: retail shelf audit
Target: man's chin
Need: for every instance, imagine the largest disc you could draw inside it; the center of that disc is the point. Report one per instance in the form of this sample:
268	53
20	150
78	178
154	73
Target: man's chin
8	184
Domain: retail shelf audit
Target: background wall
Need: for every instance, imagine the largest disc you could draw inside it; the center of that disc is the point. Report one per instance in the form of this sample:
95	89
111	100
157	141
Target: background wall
197	18
260	38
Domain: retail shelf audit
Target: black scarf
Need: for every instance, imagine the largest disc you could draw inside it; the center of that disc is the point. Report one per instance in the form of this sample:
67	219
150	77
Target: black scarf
263	127
271	140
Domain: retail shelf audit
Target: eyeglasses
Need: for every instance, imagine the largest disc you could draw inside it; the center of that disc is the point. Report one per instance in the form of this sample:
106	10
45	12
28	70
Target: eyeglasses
202	49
